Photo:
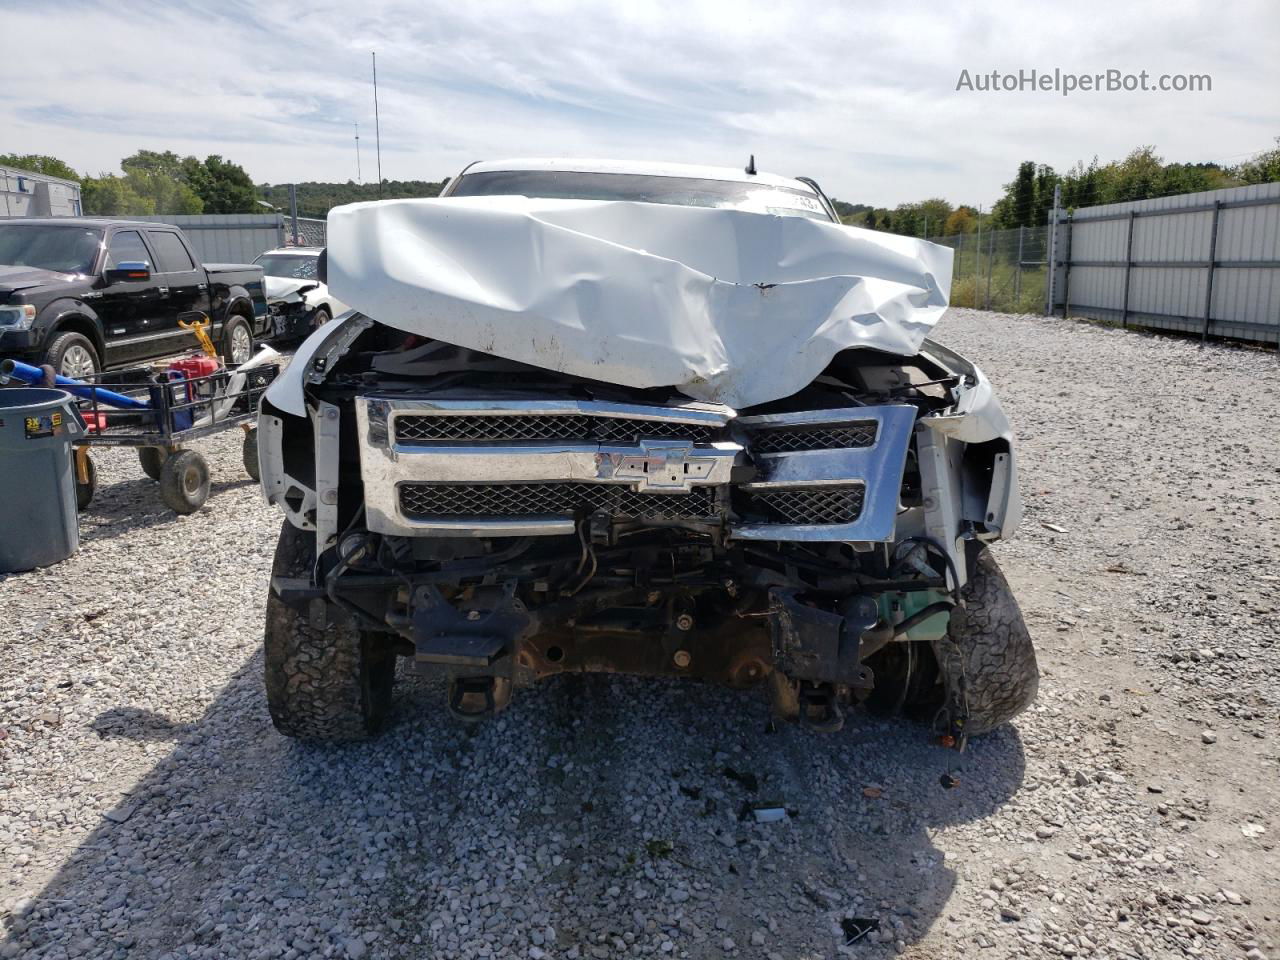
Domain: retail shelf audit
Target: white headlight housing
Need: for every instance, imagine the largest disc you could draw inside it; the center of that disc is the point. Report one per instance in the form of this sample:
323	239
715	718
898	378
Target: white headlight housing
17	317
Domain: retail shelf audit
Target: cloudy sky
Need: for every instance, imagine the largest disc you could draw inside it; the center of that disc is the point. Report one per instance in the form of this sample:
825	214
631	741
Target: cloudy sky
862	96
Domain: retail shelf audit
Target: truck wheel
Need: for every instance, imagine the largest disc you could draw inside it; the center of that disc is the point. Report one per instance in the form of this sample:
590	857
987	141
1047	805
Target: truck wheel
987	642
319	318
991	644
237	341
184	481
328	682
72	355
152	460
249	454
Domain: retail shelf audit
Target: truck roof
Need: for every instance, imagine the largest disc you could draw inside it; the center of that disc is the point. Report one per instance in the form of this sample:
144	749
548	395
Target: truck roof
641	167
89	221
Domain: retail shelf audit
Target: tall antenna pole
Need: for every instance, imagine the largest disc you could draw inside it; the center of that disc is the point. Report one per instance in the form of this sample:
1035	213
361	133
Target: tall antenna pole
359	178
377	126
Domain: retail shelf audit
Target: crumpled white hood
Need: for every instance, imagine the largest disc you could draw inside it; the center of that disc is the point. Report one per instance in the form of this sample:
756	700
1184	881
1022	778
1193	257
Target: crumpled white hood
277	288
723	305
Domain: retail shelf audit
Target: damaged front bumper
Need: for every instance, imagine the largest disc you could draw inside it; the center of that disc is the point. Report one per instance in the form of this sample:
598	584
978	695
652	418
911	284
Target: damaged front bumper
505	535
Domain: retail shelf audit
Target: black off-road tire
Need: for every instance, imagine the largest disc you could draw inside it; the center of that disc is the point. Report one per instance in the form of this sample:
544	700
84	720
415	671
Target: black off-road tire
330	683
152	460
988	639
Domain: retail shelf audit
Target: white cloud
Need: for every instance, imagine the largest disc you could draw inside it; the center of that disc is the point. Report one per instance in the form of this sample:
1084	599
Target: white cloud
861	96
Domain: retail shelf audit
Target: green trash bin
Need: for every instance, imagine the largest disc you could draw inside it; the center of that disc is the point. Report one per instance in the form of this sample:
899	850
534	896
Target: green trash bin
38	523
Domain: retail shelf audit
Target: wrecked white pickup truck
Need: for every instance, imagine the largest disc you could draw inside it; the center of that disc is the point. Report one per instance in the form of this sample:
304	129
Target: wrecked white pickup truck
663	420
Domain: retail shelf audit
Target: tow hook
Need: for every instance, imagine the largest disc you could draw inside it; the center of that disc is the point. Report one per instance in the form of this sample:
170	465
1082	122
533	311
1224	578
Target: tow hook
472	699
819	709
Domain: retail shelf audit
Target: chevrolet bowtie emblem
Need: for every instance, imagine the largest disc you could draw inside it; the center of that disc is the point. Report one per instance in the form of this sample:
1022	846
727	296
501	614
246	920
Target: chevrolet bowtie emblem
662	467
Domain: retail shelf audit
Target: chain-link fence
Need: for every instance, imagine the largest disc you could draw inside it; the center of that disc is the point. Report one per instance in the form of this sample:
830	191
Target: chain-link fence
999	269
304	231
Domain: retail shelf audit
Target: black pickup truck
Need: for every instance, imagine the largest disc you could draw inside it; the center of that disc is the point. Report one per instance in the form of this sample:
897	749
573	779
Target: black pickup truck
85	294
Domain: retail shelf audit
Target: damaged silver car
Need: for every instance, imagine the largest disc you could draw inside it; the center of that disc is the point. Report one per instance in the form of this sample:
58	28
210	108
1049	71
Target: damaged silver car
650	419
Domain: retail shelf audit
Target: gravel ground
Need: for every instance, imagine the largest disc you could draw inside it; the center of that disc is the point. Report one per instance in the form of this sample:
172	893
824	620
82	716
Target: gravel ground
148	809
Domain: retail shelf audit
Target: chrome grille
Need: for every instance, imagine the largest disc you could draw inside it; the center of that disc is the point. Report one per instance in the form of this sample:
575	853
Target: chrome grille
422	501
812	505
794	438
570	428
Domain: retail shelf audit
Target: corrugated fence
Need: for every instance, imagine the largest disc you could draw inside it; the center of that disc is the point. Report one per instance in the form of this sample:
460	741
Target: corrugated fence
228	237
1206	263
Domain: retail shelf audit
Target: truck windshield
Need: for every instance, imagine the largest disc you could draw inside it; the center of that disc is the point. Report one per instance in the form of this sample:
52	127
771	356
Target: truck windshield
288	265
66	248
641	188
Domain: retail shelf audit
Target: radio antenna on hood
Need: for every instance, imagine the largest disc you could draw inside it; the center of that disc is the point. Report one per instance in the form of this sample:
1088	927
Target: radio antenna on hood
751	165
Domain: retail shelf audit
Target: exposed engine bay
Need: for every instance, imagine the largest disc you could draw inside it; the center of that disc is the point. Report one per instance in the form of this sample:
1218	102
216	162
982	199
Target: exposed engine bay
499	522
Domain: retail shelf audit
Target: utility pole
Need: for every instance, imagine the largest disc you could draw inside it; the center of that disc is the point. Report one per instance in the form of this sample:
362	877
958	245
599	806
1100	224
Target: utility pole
377	124
1052	253
359	178
991	260
977	258
293	211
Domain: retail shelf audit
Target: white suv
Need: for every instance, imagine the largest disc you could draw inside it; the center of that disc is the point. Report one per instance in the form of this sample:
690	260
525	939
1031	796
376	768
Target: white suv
298	300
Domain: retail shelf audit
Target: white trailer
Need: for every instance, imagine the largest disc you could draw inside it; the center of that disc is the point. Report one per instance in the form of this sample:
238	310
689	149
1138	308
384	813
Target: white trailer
27	194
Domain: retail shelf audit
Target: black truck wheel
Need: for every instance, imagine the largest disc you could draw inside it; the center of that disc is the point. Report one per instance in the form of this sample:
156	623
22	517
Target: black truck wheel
184	481
152	460
72	355
237	341
991	644
987	643
326	680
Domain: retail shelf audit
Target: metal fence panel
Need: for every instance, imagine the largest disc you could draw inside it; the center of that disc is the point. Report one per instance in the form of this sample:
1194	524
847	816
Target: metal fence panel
1205	263
229	237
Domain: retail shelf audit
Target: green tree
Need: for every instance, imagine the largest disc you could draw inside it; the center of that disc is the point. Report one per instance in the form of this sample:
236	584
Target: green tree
149	161
112	196
140	192
1264	168
933	215
39	163
1024	194
223	186
1018	205
962	220
847	210
316	199
220	185
167	195
1046	180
